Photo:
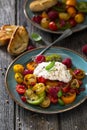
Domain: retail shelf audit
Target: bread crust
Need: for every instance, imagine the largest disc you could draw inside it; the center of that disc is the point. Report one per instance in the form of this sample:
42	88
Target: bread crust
40	5
19	41
6	33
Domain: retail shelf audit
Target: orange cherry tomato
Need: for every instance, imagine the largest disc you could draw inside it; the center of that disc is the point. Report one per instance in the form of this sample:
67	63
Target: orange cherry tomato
71	11
44	15
71	2
31	65
68	98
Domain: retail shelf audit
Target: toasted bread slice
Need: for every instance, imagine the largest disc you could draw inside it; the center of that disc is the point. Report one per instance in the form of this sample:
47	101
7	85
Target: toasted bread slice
19	41
6	33
40	5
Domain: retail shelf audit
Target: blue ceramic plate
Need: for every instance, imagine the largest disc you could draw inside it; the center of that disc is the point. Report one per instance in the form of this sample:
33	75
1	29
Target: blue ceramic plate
77	61
29	14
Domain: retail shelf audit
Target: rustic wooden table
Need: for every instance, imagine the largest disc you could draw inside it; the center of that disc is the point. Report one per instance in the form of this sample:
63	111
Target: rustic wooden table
14	117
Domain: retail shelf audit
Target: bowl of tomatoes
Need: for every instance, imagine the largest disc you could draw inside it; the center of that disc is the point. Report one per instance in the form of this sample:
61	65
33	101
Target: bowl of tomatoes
54	82
63	15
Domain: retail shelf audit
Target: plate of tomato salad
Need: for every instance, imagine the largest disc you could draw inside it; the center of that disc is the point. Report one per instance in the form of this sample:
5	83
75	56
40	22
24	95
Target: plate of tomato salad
17	95
70	15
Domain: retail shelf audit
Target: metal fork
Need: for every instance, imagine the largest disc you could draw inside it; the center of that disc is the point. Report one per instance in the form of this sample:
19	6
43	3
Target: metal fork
65	34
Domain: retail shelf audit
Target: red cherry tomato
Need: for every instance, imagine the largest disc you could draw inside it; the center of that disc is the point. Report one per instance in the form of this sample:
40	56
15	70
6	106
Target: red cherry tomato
41	79
53	26
72	22
39	59
53	99
23	98
20	89
66	88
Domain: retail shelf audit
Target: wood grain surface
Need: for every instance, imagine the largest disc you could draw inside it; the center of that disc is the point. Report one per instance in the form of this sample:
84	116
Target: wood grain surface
14	117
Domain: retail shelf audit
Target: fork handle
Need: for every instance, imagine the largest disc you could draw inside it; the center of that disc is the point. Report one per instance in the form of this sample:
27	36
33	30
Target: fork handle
65	34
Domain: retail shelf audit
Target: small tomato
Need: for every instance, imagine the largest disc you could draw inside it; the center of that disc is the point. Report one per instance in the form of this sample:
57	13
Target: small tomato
53	26
20	89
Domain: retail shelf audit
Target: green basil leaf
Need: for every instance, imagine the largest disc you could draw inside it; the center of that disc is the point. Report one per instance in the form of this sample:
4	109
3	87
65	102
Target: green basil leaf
36	37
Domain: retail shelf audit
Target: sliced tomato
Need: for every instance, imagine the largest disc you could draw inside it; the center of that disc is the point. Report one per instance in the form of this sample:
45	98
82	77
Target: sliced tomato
20	89
75	83
79	74
31	65
68	98
38	88
66	88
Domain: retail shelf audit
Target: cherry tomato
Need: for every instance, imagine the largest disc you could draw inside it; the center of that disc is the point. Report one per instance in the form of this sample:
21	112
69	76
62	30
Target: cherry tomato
23	98
30	47
78	74
45	23
41	79
75	83
19	78
68	98
36	99
18	68
71	11
31	65
53	99
53	26
30	79
66	88
39	59
38	88
44	14
71	2
20	89
46	102
64	16
72	22
79	18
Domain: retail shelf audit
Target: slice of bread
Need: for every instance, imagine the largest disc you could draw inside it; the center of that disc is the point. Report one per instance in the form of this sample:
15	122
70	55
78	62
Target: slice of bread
19	41
41	5
6	33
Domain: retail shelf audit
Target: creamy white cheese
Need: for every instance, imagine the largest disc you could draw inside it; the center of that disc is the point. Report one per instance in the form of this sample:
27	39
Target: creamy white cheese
58	72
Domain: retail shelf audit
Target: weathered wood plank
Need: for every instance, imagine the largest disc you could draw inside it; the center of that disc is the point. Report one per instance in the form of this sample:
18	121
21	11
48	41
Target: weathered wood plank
7	16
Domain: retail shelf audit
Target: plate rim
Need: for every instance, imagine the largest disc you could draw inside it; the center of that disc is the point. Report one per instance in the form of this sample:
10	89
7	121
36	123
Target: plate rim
46	30
33	109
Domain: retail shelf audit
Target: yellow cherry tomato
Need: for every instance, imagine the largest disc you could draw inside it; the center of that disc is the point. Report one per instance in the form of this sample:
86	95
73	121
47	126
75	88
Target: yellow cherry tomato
18	68
64	16
46	102
19	77
45	22
75	83
79	18
28	92
30	79
38	88
68	98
